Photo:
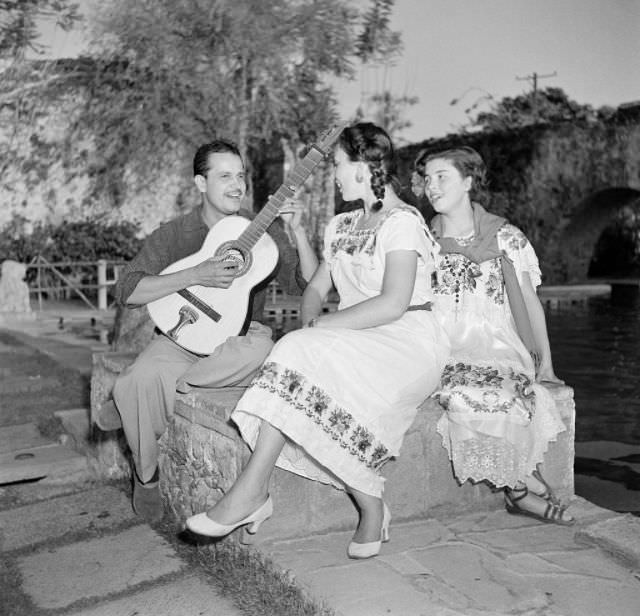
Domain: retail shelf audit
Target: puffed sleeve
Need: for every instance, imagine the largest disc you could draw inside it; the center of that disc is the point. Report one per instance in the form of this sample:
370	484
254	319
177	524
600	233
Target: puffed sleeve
521	252
405	230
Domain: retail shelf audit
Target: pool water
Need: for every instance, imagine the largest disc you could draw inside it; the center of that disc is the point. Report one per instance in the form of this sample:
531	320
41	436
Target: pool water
596	350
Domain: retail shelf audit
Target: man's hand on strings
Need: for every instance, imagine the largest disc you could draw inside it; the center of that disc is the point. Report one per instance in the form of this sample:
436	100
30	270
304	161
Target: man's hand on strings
216	272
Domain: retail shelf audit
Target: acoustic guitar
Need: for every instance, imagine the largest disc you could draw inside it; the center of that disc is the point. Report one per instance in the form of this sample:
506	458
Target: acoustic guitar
201	318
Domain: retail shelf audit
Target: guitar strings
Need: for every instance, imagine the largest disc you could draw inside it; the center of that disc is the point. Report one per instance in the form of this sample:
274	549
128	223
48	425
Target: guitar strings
264	218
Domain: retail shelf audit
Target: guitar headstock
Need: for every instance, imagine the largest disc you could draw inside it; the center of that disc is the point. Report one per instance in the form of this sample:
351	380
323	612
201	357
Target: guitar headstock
329	137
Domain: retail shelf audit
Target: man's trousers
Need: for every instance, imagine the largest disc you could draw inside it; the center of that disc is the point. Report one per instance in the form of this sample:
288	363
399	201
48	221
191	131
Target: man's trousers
145	392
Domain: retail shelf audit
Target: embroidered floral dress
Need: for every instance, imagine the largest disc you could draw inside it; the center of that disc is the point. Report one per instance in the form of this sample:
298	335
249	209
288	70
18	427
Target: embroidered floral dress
344	398
498	422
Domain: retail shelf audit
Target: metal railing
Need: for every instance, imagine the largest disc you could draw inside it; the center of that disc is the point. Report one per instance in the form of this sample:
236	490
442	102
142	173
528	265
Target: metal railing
50	280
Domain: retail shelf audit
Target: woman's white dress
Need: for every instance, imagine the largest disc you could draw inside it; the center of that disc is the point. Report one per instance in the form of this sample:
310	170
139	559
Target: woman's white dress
498	422
344	398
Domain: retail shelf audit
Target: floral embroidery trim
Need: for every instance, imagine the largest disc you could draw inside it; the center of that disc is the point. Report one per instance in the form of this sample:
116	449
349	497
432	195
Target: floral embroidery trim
350	240
458	375
315	403
512	237
494	285
456	274
460	268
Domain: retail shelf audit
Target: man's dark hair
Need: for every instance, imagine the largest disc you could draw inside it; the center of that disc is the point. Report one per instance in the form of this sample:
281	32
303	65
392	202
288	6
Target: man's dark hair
219	146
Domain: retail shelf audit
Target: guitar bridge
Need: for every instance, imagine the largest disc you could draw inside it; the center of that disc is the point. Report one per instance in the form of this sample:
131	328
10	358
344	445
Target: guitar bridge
186	316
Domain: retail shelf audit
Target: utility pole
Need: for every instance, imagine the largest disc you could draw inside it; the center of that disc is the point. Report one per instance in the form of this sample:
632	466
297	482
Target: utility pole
533	78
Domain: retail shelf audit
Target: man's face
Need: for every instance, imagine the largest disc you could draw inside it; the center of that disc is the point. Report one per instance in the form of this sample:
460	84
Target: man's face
224	186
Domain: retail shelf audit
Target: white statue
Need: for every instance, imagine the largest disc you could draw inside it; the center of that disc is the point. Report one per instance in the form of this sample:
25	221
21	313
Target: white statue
14	291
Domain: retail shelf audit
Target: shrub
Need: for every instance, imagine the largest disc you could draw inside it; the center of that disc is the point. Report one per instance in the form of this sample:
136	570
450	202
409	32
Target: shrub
84	240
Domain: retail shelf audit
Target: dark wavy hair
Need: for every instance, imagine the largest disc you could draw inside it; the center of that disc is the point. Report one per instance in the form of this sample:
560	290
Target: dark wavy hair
219	146
468	163
368	143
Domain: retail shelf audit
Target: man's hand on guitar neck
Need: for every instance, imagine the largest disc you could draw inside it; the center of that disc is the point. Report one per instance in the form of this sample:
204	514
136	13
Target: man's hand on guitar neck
291	214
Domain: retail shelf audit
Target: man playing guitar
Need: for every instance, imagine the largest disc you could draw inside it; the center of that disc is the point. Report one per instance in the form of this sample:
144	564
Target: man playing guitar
144	394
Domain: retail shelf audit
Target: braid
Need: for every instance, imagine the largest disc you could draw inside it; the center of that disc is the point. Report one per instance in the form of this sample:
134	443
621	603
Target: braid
378	181
370	144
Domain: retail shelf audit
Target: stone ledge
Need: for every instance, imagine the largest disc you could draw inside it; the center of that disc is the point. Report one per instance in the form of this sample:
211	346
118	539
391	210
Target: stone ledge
202	454
618	535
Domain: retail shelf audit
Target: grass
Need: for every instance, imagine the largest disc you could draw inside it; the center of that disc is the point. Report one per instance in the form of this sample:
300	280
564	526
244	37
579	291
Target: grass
35	385
253	582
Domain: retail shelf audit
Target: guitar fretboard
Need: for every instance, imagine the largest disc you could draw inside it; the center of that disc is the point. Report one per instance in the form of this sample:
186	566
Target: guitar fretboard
294	180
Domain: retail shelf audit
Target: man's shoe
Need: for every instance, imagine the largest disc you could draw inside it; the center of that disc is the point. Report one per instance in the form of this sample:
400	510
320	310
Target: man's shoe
147	501
108	418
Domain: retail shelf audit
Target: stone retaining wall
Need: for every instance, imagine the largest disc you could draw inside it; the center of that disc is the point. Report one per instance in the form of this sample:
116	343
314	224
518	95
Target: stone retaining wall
202	454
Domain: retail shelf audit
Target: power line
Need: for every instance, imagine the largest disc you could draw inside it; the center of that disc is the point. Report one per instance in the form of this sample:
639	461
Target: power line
533	78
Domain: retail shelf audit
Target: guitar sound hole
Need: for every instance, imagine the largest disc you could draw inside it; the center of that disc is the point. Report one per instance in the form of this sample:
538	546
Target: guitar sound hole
235	256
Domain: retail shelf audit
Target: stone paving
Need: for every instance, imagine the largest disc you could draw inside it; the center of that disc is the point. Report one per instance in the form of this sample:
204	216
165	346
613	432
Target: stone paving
82	552
478	564
86	553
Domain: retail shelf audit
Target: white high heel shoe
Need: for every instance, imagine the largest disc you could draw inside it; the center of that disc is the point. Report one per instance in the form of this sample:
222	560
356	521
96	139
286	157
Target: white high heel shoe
368	550
202	524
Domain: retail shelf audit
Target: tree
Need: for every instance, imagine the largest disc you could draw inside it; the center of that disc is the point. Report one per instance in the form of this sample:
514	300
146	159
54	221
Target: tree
19	19
389	111
164	76
536	107
21	80
378	47
170	73
377	43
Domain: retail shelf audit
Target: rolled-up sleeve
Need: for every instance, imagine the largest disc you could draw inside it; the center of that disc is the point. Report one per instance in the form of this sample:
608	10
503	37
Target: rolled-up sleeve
151	260
166	245
288	273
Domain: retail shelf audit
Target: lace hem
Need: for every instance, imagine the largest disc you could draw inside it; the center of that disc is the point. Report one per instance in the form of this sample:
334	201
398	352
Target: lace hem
500	461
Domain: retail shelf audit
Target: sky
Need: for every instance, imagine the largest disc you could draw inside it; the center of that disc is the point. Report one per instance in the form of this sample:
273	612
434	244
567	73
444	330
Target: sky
475	51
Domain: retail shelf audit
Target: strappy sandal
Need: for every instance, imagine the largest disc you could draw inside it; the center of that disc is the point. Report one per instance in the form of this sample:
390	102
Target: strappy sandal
547	493
552	513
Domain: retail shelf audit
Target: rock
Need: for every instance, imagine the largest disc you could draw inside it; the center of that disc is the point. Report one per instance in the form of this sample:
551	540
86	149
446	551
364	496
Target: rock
132	329
14	291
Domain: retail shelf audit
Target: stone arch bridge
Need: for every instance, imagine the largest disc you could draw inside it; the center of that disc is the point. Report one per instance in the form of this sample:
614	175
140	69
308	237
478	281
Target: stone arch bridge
561	184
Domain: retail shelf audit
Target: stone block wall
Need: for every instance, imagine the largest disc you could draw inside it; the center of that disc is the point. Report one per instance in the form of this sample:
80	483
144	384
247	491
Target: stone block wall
202	454
109	448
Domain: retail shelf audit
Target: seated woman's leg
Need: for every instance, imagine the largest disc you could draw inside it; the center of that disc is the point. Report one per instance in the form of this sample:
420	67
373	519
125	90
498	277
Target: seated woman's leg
538	485
373	527
251	488
520	500
248	501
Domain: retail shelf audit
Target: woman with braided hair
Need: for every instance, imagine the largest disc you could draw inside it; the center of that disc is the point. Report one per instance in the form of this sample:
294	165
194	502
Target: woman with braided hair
334	399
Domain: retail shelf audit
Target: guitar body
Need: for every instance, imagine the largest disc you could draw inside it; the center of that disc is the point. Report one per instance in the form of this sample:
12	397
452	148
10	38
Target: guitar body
229	305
